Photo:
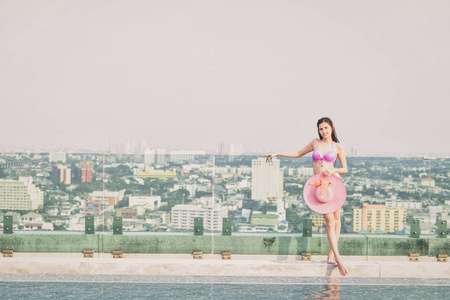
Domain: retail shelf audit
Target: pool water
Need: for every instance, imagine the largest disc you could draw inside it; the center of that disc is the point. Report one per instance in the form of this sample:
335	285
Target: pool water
29	286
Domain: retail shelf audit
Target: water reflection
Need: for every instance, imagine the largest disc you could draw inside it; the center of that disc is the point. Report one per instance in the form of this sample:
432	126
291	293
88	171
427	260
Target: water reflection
331	290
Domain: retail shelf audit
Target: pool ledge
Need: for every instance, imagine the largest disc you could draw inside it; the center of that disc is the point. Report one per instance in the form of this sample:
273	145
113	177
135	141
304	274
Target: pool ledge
212	265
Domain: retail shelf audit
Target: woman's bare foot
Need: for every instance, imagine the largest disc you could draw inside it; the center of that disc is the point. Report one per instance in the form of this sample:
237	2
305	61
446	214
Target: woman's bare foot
342	270
331	260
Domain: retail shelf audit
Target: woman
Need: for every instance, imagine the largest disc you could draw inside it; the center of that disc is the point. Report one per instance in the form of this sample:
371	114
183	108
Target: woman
325	150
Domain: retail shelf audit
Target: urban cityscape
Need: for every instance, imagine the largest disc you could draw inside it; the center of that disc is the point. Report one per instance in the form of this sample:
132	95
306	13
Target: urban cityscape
163	190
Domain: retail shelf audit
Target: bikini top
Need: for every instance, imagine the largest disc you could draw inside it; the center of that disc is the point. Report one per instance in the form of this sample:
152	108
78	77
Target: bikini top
328	157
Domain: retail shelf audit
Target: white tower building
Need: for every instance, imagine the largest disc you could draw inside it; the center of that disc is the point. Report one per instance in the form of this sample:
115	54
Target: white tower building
20	194
154	156
183	216
267	179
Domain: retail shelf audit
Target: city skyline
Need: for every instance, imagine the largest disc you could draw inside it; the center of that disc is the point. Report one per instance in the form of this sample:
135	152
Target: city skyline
220	149
47	192
192	74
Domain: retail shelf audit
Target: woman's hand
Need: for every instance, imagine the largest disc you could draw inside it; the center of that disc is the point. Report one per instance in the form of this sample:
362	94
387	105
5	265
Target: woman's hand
329	172
270	156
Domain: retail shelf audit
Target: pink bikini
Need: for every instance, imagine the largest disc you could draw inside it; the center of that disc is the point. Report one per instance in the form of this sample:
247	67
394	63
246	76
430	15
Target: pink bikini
328	157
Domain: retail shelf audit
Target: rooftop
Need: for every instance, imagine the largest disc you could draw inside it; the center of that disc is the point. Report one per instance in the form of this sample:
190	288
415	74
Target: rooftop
285	266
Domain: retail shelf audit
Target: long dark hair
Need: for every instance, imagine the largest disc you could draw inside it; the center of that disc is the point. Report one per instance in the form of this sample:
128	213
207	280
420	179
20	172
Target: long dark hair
333	130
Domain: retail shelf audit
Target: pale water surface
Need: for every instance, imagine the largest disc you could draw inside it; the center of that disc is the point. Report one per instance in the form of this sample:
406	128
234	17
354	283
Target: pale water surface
38	286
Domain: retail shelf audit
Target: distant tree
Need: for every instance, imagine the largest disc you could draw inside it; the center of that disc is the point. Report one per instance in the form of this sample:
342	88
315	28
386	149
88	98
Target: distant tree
119	171
89	187
154	184
199	194
294	220
369	191
293	190
62	186
58	227
180	194
164	208
281	227
122	203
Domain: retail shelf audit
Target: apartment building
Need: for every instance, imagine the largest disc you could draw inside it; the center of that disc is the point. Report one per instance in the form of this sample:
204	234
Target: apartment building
87	168
20	194
61	174
183	216
155	156
378	217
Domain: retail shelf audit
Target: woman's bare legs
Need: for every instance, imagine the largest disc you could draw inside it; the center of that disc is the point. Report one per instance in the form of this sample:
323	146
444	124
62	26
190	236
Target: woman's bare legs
337	220
332	239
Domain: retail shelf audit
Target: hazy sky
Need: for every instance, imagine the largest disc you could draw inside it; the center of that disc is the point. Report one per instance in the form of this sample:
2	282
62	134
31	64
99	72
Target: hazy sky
189	74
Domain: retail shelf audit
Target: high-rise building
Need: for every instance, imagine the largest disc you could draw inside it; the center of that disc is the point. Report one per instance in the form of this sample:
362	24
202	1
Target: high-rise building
305	172
20	194
134	146
183	155
114	146
182	216
154	156
267	179
222	148
111	144
354	151
61	174
235	149
378	217
87	167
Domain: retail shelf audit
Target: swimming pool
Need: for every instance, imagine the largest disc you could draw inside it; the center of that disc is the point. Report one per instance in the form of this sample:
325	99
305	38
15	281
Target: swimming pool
38	286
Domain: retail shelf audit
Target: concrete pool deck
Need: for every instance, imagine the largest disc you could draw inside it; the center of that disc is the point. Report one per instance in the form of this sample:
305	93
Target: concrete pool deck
213	265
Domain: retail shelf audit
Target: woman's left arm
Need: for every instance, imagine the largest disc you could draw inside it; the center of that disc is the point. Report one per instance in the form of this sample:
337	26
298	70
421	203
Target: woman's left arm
342	158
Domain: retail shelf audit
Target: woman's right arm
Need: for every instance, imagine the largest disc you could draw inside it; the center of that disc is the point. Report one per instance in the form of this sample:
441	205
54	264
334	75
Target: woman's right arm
308	148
